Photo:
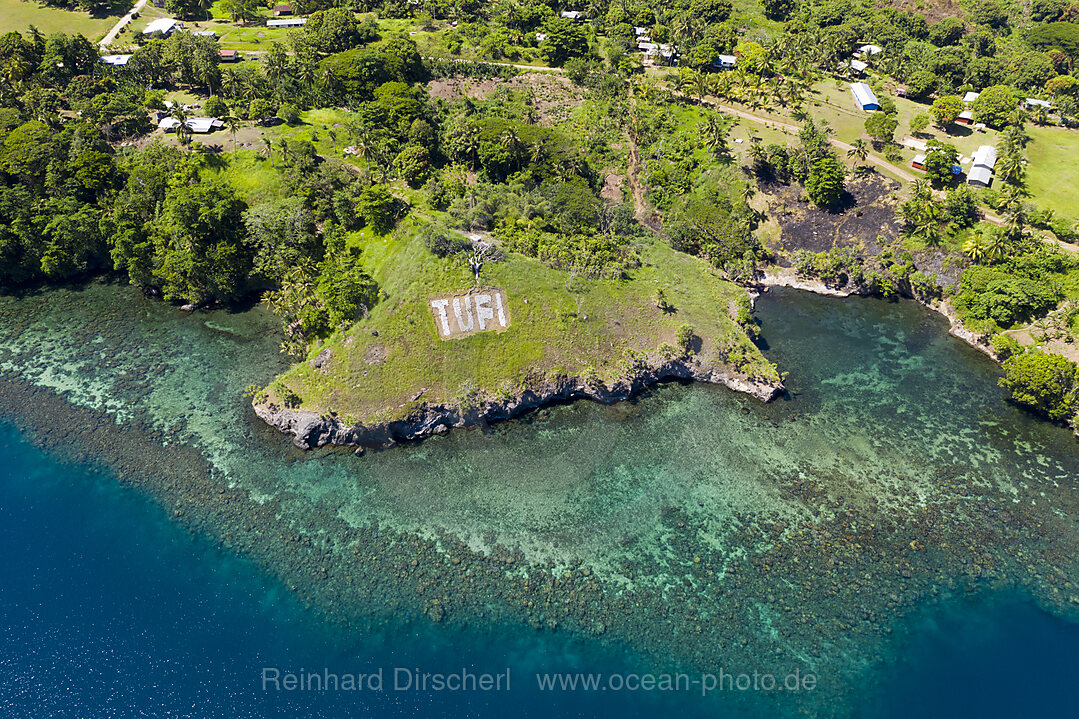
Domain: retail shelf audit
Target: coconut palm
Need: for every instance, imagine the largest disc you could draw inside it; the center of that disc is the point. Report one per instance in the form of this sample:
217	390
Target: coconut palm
859	149
701	86
974	248
233	123
183	130
714	135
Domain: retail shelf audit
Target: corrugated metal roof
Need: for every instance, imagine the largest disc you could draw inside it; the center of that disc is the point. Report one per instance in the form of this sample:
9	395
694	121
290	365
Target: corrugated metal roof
863	95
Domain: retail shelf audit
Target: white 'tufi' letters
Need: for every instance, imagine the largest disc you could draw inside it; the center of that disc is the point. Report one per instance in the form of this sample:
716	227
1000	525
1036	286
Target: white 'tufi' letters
478	310
440	308
463	326
483	310
501	310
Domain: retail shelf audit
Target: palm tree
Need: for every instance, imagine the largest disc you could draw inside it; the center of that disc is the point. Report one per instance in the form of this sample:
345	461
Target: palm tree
269	149
233	124
859	149
715	135
364	146
702	85
974	248
332	134
183	130
512	142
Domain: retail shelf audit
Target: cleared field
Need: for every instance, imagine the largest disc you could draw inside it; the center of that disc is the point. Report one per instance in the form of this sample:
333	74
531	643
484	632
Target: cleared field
1053	169
19	16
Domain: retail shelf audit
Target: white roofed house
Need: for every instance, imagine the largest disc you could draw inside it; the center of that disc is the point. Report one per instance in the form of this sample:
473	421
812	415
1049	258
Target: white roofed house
115	60
970	97
870	50
198	125
287	22
1030	103
164	25
982	163
574	15
857	67
864	97
726	62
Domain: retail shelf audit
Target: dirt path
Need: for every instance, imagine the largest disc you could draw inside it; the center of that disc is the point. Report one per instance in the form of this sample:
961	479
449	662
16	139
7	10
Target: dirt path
792	129
111	34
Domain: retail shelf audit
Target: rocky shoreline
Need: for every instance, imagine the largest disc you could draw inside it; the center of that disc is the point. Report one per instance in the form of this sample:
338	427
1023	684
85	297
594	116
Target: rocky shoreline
311	429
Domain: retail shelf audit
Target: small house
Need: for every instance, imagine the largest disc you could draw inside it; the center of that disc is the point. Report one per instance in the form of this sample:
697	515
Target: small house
205	33
858	68
901	91
970	97
726	62
918	163
115	60
198	125
638	31
864	97
287	22
574	15
966	117
979	176
870	50
1030	103
165	26
985	156
279	10
227	56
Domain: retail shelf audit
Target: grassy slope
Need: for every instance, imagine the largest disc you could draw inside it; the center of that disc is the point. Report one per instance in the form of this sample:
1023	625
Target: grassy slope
19	16
549	334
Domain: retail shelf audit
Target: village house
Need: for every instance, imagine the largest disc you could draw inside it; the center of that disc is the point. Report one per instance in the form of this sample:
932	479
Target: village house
287	22
864	97
982	163
115	60
198	125
726	62
966	117
165	26
279	10
227	56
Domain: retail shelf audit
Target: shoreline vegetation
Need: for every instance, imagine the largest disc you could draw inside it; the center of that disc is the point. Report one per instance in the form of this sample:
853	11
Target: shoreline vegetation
622	174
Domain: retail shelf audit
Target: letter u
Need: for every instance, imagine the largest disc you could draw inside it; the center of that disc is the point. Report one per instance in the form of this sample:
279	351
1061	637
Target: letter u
461	324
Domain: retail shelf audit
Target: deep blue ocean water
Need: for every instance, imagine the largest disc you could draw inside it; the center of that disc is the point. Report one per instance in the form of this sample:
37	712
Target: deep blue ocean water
111	610
108	609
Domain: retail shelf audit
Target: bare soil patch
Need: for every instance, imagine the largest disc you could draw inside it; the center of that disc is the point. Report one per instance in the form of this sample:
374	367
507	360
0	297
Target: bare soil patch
553	96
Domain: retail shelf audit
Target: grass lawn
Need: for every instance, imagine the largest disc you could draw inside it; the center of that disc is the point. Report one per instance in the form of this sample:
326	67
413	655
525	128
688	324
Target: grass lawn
557	326
1052	170
19	16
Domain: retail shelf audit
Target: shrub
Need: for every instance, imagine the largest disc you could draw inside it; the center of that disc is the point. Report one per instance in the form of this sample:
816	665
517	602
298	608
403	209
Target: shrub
1045	382
684	337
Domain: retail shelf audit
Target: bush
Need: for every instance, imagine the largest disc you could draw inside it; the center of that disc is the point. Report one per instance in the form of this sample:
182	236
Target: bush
442	242
684	337
1005	346
1043	381
215	107
289	114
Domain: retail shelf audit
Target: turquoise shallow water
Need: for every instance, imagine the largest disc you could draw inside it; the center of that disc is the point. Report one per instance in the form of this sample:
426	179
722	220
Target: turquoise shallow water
690	529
